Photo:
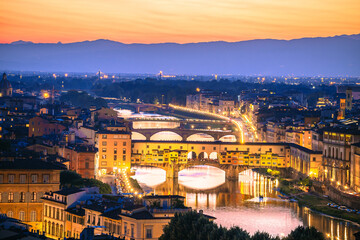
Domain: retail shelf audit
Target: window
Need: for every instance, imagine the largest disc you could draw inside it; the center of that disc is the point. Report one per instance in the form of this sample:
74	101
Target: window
314	159
203	148
22	178
33	216
115	157
115	151
34	178
1	178
104	143
33	197
86	165
11	197
124	143
104	150
46	178
132	230
104	136
10	214
125	229
124	151
22	197
103	156
149	233
124	157
115	143
11	178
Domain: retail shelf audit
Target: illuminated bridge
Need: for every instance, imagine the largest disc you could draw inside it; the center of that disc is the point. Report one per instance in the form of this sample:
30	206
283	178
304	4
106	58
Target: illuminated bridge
184	134
232	158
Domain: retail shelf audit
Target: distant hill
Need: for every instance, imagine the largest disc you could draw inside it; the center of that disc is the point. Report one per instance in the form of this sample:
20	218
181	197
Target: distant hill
330	56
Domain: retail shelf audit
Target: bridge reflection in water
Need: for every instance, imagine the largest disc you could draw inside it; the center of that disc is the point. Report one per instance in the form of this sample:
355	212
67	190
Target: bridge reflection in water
237	202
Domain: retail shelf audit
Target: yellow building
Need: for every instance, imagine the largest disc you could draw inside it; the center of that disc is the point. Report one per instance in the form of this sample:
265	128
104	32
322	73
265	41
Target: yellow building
161	156
75	222
55	204
244	158
23	183
150	151
355	166
114	151
306	161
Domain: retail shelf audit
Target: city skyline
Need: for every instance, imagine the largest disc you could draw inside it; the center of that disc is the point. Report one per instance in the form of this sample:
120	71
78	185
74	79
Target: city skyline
182	22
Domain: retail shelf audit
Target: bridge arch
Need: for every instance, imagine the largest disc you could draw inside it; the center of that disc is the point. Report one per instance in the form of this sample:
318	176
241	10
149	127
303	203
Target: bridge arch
137	136
203	155
228	138
214	156
191	155
166	136
200	137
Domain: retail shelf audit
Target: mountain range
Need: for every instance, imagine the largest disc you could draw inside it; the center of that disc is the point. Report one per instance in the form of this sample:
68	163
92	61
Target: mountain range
327	56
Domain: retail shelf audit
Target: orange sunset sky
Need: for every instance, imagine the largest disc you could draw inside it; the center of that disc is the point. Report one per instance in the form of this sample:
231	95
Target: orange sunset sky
182	21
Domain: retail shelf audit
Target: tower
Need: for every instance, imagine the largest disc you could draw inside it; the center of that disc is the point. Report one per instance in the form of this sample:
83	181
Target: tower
5	87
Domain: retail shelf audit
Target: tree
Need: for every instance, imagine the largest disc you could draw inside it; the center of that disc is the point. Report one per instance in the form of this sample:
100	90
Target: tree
195	226
73	179
263	236
305	233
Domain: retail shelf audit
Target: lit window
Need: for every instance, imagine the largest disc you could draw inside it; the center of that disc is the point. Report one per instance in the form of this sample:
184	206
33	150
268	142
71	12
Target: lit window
33	197
11	197
22	197
22	215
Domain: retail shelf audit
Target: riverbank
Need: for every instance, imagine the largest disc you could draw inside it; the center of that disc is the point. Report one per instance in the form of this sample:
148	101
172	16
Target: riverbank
313	200
299	190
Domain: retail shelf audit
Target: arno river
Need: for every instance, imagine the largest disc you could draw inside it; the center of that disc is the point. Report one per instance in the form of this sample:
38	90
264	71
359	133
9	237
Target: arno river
237	203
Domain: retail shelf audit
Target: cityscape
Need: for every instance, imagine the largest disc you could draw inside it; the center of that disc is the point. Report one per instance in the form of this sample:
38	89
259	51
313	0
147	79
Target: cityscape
180	120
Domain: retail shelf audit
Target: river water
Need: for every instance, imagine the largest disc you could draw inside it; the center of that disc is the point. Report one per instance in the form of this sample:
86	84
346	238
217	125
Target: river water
238	203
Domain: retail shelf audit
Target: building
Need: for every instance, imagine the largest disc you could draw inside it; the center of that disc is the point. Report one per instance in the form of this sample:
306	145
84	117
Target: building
81	157
104	114
23	182
55	204
114	151
355	167
275	132
306	161
5	87
245	158
337	153
39	126
142	150
226	107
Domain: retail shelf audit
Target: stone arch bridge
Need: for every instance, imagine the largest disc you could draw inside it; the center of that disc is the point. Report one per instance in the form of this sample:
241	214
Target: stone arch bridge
186	133
173	169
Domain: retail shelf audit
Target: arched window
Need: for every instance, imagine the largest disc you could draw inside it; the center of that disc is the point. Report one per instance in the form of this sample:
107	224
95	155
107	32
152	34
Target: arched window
10	214
22	215
33	216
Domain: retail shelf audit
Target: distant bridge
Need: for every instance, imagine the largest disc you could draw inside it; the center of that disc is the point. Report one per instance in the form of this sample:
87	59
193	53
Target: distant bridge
186	133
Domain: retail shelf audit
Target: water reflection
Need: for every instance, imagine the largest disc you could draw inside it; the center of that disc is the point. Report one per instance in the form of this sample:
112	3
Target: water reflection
239	203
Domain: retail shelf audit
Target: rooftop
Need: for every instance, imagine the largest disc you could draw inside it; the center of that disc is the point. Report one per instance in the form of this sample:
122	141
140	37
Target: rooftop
68	191
31	163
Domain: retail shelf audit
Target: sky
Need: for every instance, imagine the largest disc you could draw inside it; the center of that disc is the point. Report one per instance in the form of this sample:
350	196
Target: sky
181	21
